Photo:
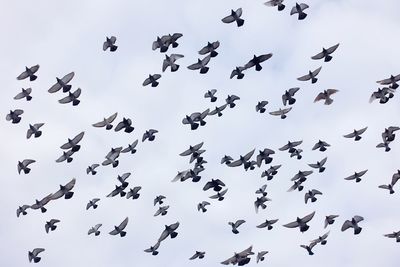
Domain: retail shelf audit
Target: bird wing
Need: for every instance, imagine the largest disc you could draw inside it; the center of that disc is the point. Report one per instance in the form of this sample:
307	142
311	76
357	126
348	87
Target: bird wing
235	163
67	78
332	49
319	97
123	224
228	19
358	218
346	225
291	225
318	56
308	217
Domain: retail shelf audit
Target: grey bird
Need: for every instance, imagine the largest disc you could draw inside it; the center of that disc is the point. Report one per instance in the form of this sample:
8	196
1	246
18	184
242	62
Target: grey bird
309	248
180	176
169	61
383	95
264	155
51	225
271	172
192	150
33	255
162	210
106	122
26	93
356	134
235	225
131	147
330	219
211	94
281	112
230	100
23	165
159	200
201	64
226	159
65	190
321	146
243	160
299	9
40	204
22	210
296	153
260	202
387	187
152	79
395	177
29	72
301	175
301	222
210	48
202	206
326	95
311	194
297	185
257	60
160	43
215	184
288	96
125	124
119	230
260	107
73	143
198	254
218	110
234	17
319	165
388	134
356	176
14	116
66	156
95	229
238	72
110	43
321	239
193	174
72	97
134	192
62	83
261	254
34	130
172	39
190	120
291	146
262	191
198	117
92	203
385	144
268	224
119	190
394	235
353	223
196	156
170	230
220	195
278	3
149	135
240	258
392	80
310	76
92	169
153	249
326	53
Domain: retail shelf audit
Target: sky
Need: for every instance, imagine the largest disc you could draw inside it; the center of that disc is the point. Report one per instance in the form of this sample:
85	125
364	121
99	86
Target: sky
65	36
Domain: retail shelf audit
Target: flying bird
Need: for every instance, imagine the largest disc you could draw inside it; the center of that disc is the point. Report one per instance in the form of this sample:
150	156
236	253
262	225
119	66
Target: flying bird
299	9
131	147
271	172
72	97
281	112
326	53
257	60
353	223
40	204
260	107
309	248
110	43
235	225
125	124
301	222
321	239
202	206
14	116
291	146
288	96
22	210
268	224
260	202
278	3
319	165
152	79
51	225
310	76
356	134
29	72
356	176
394	235
92	203
230	100
218	110
201	64
95	229
321	146
26	93
240	258
243	160
238	72
210	48
34	130
33	255
169	61
392	80
134	192
261	254
170	230
163	210
330	219
62	83
311	195
220	195
106	122
326	95
65	190
153	249
73	143
66	156
198	254
91	169
234	16
215	184
23	166
159	200
149	135
211	94
119	230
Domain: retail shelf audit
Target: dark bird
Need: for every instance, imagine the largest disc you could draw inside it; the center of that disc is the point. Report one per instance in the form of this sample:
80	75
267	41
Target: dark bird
163	210
14	116
218	110
271	172
134	192
264	155
243	160
91	169
326	53
51	225
112	156
297	153
301	175
220	195
268	224
191	120
149	135
387	187
23	166
321	239
311	195
153	249
34	130
388	134
26	93
353	223
95	229
236	225
211	94
383	95
278	3
321	146
125	124
110	43
262	191
131	147
92	203
319	165
40	204
152	79
33	255
356	176
215	184
72	97
210	48
385	144
297	185
309	248
310	76
257	60
197	254
240	258
260	107
226	159
301	222
326	95
261	254
330	219
172	39
281	112
62	83
234	16
230	100
169	61
29	72
288	96
160	43
392	81
22	210
180	176
170	230
201	64
260	202
73	143
192	150
238	71
119	190
202	206
291	146
299	9
65	190
159	200
394	235
356	134
66	156
106	122
122	179
119	230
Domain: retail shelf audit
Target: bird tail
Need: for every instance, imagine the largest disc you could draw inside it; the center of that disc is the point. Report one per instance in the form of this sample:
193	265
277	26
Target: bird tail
95	206
36	259
66	88
328	101
122	234
314	80
281	7
258	67
302	15
43	209
113	48
357	138
321	169
213	99
75	102
27	170
174	234
32	77
240	22
97	233
357	230
163	48
240	76
154	84
68	195
28	98
204	70
328	58
235	231
69	160
38	134
214	53
174	67
194	126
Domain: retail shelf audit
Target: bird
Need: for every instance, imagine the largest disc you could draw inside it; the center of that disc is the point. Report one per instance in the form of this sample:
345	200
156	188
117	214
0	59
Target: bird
311	195
40	204
226	159
264	155
301	222
240	258
319	165
257	60
321	239
202	206
278	3
326	95
387	187
301	175
388	134
119	190
152	79
95	229
51	225
268	224
62	83
235	225
238	72
330	219
395	177
261	254
220	195
106	122
22	210
218	110
153	249
383	95
159	200
198	254
149	135
23	165
281	112
26	93
192	150
92	203
170	230
260	202
321	146
169	61
353	223
66	156
288	96
122	179
394	235
125	124
161	44
230	100
163	210
29	72
271	172
260	107
73	143
356	176
215	184
134	192
356	134
392	80
243	160
34	130
33	255
119	230
211	94
65	190
297	153
110	43
210	48
262	191
14	116
91	169
309	248
234	16
299	9
72	97
130	147
201	64
385	144
291	146
311	76
326	53
172	39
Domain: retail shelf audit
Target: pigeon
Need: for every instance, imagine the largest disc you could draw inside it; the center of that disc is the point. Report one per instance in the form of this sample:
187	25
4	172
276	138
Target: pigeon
281	112
149	135
291	146
119	190
161	44
262	191
238	72
278	3
193	174
73	143
260	107
257	60
210	48
152	79
172	39
29	72
226	159
22	210
325	54
92	203
66	156
33	255
216	185
385	144
260	202
268	224
23	166
392	81
202	206
353	223
301	175
240	258
234	16
95	229
310	76
326	95
200	116
394	235
133	192
235	225
296	153
153	249
34	130
201	64
51	225
218	110
395	177
180	176
356	176
62	83
40	204
125	124
26	93
231	99
110	43
299	9
163	210
220	195
288	96
106	122
261	254
122	179
131	147
321	239
159	200
271	172
264	155
65	190
91	169
211	94
388	134
330	219
169	61
311	195
301	222
14	116
319	165
190	120
192	150
309	248
356	134
387	187
321	146
170	230
118	230
383	95
197	254
242	160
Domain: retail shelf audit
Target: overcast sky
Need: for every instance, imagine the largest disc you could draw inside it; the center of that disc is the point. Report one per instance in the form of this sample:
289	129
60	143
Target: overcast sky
65	36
